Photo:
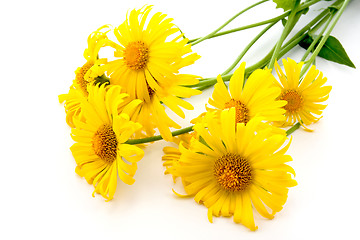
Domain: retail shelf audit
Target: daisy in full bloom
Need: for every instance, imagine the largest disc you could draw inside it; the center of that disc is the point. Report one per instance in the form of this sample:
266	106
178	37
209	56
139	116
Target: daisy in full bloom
303	96
100	151
257	97
85	75
148	56
233	169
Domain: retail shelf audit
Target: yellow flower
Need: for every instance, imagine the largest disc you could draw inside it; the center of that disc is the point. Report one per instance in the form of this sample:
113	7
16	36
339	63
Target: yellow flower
85	75
147	67
303	97
147	59
257	97
231	169
100	150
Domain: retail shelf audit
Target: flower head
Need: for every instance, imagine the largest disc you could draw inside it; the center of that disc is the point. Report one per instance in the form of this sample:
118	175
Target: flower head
100	151
303	97
147	59
230	169
149	54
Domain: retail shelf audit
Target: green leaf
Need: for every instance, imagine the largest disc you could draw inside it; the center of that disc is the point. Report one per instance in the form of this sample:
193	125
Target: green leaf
332	50
285	4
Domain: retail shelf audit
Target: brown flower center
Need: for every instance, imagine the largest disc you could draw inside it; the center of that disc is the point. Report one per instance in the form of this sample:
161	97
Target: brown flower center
294	100
232	172
136	55
105	143
80	76
242	112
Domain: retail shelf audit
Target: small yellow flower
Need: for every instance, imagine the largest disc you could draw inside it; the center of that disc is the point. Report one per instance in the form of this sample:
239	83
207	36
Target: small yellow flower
147	66
303	97
100	150
231	169
85	75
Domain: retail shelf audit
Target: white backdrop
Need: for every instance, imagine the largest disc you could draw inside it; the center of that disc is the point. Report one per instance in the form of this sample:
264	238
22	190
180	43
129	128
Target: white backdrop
42	43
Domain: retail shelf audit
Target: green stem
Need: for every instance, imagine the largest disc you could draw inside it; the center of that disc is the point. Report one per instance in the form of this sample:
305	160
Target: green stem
316	40
275	19
242	54
293	129
159	137
325	37
288	27
227	22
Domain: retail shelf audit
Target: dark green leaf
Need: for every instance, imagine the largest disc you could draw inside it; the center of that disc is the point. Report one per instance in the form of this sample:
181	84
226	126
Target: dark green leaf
332	50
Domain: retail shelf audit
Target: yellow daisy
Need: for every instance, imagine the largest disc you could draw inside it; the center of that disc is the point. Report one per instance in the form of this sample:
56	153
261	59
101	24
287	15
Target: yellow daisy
100	151
303	96
147	59
85	75
147	67
231	169
257	97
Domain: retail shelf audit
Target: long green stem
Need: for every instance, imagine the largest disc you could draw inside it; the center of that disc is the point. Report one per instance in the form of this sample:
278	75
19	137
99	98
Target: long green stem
246	49
288	27
325	37
316	40
282	16
275	19
159	137
227	22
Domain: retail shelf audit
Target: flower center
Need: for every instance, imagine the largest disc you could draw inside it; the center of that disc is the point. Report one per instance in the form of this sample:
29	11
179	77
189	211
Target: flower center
242	113
80	74
232	172
105	143
136	55
294	100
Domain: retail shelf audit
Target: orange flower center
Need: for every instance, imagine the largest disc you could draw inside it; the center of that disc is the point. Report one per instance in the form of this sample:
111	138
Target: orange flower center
294	100
232	172
80	76
242	113
136	55
105	143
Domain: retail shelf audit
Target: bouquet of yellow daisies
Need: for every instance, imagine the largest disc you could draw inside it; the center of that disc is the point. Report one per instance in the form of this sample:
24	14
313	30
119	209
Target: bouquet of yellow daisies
231	158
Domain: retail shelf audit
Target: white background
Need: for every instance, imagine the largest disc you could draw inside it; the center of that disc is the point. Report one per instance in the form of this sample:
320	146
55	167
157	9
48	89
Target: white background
42	43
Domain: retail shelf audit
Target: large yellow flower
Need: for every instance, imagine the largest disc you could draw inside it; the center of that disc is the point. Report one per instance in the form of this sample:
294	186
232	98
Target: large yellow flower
85	75
303	97
232	168
257	97
147	59
147	67
100	152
